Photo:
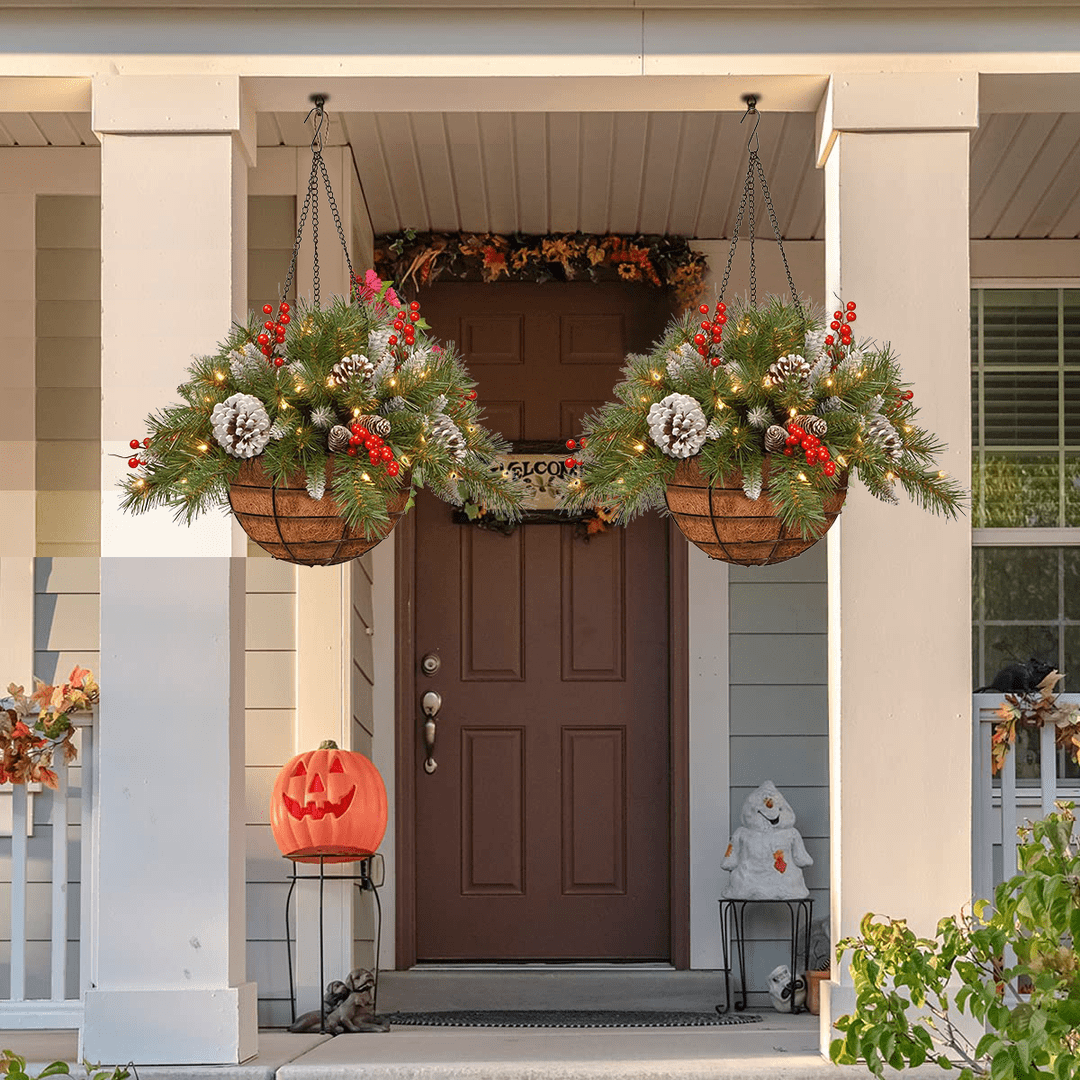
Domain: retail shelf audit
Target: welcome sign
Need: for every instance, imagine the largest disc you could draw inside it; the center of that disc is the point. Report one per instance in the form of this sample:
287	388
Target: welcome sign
542	467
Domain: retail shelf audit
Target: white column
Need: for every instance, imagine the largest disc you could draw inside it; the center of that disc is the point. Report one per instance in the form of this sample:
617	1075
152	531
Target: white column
169	917
895	152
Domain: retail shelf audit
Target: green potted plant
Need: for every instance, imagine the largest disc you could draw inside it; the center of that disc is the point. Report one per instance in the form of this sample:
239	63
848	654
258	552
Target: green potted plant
1013	966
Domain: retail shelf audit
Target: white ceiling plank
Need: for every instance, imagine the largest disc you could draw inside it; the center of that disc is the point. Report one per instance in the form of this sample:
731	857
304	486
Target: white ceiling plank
1004	156
531	171
597	144
432	157
726	171
664	137
790	168
1067	226
691	172
80	121
23	130
5	135
1049	185
807	202
564	182
395	137
373	171
57	128
496	140
466	156
1015	167
267	132
627	172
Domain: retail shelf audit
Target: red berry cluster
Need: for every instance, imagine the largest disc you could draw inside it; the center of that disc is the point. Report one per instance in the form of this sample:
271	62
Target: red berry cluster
407	329
378	452
817	453
276	330
136	461
711	332
841	321
573	444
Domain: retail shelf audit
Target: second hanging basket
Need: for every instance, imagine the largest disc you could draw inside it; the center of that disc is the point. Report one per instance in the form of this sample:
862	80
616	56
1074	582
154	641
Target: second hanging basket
725	524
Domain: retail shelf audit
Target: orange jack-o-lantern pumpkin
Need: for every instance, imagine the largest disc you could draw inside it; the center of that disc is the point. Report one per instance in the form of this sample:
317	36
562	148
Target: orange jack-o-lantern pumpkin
330	803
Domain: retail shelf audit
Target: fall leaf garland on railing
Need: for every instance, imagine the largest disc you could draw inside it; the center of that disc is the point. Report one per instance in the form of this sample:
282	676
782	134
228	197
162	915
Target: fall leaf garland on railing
33	728
1035	710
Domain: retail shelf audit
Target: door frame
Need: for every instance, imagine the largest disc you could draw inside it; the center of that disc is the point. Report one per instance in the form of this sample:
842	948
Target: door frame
406	759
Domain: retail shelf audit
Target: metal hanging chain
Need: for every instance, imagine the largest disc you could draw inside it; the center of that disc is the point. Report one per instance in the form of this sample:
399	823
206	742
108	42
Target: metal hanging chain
754	172
311	205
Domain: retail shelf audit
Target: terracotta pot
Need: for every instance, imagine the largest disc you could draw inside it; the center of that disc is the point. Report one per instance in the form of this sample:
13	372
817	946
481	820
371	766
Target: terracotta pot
814	980
287	522
726	525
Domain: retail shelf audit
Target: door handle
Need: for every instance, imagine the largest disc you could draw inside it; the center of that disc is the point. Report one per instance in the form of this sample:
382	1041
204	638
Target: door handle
431	703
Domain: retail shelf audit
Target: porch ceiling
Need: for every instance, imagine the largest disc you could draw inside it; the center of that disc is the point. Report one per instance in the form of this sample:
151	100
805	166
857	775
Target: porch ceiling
669	172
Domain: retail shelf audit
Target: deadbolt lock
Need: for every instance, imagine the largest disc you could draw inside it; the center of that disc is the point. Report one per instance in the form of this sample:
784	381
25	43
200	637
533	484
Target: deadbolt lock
430	664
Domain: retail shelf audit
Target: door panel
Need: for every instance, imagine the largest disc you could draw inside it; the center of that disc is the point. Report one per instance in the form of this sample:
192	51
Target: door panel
544	831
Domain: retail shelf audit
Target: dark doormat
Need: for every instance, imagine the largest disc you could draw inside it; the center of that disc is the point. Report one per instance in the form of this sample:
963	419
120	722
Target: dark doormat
567	1018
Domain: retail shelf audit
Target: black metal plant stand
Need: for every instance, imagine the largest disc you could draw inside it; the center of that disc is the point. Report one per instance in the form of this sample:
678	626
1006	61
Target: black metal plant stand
732	926
365	881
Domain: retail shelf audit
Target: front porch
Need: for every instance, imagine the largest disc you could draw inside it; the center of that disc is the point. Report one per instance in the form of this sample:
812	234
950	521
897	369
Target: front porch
821	671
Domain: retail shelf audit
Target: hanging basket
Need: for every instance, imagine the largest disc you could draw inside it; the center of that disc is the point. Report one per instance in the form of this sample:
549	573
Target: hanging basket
726	525
285	521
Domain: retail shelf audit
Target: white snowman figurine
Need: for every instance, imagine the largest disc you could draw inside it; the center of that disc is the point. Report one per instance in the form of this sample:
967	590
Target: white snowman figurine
766	854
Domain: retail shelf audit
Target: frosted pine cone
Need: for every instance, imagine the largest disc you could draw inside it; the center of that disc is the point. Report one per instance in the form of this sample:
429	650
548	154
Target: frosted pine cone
759	417
677	425
338	439
445	432
812	425
775	438
241	425
789	367
352	367
831	404
880	431
377	425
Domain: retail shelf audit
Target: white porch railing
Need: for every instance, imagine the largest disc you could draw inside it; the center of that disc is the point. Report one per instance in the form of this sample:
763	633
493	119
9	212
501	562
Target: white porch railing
1034	776
58	1010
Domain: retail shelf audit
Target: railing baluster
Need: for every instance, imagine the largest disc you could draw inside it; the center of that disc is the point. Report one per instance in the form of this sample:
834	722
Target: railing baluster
19	803
1048	765
59	819
1008	814
984	869
87	893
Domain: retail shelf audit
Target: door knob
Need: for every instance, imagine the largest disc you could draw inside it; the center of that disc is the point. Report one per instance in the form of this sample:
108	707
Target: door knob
431	703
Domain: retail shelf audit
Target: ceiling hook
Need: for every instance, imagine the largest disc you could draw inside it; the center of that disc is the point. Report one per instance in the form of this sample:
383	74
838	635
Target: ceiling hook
751	101
318	136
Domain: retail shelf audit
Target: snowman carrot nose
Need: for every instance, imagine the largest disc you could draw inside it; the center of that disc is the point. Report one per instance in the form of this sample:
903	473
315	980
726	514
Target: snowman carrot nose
768	803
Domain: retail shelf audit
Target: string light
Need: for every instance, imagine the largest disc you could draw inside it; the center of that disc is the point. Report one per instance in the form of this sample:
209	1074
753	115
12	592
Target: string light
393	382
655	376
364	476
219	376
621	480
404	460
802	477
639	447
828	382
203	447
330	382
889	476
941	474
792	412
140	483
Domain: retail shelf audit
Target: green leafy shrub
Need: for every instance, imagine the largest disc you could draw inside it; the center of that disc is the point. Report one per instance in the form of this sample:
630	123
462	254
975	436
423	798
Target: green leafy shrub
1013	966
14	1067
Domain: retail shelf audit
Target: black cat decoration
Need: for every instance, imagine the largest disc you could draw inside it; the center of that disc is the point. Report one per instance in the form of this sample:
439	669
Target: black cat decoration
1021	678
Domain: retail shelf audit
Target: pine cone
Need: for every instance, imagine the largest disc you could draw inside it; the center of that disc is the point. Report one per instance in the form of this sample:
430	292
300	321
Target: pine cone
788	367
338	439
775	438
812	425
377	425
351	367
445	432
880	431
677	425
241	425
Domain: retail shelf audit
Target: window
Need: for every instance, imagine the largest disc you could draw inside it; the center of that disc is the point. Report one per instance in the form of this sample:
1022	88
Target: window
1025	347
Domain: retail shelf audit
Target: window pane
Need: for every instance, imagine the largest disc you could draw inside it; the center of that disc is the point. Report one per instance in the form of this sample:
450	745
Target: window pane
1020	326
1018	490
1072	327
1072	488
1020	408
1072	598
1019	584
1007	645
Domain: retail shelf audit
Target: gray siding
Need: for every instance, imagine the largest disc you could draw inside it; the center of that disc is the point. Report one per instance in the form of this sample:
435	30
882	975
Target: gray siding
779	725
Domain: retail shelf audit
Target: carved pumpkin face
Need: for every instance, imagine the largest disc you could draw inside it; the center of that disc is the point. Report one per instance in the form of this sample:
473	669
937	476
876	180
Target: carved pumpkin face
328	802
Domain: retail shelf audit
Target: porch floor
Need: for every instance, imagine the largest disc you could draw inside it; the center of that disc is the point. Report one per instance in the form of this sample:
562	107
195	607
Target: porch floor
780	1047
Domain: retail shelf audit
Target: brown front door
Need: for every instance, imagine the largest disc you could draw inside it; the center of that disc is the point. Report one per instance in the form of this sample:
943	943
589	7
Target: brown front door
544	831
